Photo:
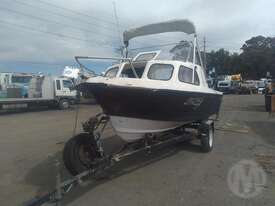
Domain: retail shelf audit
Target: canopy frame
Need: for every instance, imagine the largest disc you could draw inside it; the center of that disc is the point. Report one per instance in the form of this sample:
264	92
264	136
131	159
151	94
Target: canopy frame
169	26
184	26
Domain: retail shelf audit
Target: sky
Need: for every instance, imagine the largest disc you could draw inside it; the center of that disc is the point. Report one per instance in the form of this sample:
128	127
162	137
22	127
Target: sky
44	36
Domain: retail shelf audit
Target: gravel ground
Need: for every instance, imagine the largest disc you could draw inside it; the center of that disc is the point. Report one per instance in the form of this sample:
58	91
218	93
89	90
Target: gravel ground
30	142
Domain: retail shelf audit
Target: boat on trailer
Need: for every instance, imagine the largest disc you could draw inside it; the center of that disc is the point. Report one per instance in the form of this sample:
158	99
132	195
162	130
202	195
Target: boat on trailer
148	100
150	95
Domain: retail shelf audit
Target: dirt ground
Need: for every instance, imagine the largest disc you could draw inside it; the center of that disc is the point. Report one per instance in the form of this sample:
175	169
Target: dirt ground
31	142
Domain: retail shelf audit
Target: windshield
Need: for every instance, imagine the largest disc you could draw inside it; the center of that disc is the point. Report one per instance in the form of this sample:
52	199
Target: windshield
224	84
129	72
182	50
21	79
67	84
145	57
111	72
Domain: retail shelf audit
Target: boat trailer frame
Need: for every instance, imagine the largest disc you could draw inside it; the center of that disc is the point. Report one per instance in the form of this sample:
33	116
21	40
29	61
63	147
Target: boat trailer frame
107	161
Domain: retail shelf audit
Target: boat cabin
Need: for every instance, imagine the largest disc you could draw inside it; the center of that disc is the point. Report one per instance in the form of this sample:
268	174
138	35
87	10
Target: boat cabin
182	68
148	66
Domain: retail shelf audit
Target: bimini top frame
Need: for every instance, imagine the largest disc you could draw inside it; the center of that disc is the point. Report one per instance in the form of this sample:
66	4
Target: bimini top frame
170	26
182	25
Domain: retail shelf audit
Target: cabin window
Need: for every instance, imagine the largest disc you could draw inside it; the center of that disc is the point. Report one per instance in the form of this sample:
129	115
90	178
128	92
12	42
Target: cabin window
58	86
186	75
111	73
128	72
160	71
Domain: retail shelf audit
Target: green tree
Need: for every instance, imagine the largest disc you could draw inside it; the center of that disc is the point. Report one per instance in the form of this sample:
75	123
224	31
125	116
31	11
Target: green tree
220	60
258	57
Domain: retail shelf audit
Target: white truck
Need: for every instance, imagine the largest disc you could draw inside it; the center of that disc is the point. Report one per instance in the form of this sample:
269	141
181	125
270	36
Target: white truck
42	91
228	86
11	79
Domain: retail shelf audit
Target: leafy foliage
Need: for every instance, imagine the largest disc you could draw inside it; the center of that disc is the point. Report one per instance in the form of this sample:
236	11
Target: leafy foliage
255	60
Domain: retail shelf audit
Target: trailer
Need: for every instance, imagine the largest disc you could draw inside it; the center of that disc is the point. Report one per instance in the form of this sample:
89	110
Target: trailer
84	155
42	91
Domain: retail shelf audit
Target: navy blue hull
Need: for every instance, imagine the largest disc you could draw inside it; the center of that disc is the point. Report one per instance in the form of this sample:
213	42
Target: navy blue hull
153	104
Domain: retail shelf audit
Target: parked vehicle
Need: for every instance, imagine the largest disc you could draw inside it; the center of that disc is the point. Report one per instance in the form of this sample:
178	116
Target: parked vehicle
42	91
234	85
228	86
248	87
261	84
15	80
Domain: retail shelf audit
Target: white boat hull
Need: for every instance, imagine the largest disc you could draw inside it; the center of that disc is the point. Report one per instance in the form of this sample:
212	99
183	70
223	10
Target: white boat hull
132	129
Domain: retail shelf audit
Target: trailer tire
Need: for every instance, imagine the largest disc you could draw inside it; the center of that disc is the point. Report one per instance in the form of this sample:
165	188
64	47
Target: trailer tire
206	133
64	104
79	153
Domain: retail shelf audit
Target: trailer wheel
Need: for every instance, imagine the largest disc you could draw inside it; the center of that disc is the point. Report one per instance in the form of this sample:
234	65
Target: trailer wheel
64	104
79	153
206	133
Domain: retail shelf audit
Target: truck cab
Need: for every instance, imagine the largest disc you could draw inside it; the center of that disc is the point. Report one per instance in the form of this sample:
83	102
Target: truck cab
224	86
228	86
15	80
64	87
65	94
